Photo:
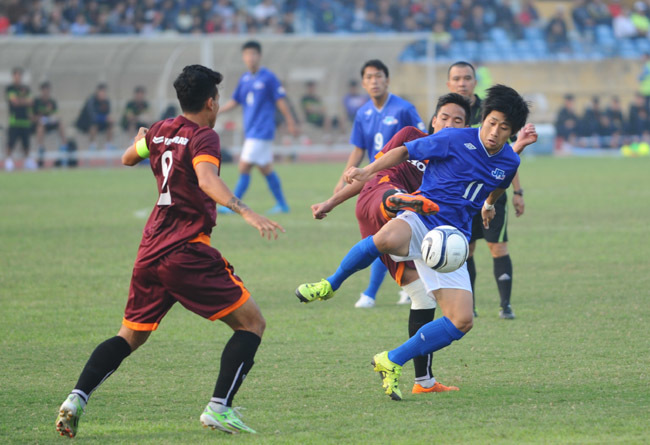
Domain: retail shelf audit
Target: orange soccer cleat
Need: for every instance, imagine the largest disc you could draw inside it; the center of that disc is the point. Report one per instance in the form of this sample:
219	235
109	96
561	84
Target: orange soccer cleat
437	387
415	203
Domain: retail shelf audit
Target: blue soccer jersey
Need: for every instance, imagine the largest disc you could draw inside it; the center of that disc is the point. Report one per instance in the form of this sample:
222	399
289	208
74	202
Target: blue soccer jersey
257	94
460	174
373	128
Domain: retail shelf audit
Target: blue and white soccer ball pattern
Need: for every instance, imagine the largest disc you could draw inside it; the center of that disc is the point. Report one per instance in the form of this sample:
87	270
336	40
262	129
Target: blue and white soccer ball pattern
444	249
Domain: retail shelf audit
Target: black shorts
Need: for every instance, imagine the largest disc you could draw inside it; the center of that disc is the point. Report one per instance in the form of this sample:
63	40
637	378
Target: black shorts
498	231
18	133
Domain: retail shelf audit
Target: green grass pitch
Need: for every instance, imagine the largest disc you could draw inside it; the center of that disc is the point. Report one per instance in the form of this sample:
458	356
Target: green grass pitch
572	368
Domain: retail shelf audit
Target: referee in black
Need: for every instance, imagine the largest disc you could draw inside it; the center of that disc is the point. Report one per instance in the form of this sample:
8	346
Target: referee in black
461	79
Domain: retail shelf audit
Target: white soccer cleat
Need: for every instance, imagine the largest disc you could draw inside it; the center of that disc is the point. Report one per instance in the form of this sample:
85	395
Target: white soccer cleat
365	302
30	164
223	418
9	165
404	298
71	410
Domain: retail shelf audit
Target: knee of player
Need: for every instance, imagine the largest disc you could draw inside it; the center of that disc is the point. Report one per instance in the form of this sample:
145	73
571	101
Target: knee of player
386	242
463	323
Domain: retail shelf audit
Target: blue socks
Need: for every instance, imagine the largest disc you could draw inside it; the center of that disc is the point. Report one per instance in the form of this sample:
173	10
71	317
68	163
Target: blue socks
359	257
242	185
429	338
276	188
378	271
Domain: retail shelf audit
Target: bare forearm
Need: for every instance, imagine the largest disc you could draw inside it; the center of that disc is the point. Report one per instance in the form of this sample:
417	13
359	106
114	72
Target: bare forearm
390	159
494	196
228	106
286	113
516	184
347	192
355	158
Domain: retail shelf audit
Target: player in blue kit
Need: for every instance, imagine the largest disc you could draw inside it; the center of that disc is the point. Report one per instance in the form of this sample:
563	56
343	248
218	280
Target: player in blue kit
468	170
375	124
258	92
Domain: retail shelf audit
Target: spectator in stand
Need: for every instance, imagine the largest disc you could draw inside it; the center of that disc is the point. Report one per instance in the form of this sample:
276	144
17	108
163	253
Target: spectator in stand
644	80
136	113
614	112
20	122
312	106
95	117
441	39
590	122
556	32
505	18
44	112
353	100
638	122
475	25
528	16
599	12
623	26
567	123
640	19
582	20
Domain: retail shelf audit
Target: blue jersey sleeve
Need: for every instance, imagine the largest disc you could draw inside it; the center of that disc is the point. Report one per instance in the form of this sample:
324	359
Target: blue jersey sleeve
277	90
412	118
435	146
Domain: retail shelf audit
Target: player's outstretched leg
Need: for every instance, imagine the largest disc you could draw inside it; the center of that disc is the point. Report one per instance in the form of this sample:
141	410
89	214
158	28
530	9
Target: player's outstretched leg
389	373
394	202
104	360
359	257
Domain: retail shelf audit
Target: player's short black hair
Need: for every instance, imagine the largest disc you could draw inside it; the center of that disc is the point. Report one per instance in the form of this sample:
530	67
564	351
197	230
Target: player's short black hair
375	63
102	86
507	101
252	44
451	98
195	85
461	63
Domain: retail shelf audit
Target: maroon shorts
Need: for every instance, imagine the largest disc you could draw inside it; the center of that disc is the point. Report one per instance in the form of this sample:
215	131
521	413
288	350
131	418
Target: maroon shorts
372	217
196	275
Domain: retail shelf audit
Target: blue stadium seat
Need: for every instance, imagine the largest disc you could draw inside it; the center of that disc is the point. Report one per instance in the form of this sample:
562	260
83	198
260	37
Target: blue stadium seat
643	45
604	34
470	48
533	33
498	34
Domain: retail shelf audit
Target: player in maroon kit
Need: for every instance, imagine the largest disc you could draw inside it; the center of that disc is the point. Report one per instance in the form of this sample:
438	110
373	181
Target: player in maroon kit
175	261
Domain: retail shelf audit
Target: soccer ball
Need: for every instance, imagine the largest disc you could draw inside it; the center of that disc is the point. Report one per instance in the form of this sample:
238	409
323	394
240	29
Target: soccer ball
445	249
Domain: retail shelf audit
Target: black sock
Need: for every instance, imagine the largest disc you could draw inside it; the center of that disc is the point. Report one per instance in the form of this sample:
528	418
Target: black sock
417	319
503	275
104	360
236	362
471	269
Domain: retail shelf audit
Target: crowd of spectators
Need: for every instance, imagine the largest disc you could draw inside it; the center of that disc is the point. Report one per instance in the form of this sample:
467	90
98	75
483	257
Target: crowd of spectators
447	19
603	126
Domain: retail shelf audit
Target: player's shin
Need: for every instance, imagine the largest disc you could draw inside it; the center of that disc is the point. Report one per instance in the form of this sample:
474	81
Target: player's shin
359	257
104	360
423	309
237	360
429	338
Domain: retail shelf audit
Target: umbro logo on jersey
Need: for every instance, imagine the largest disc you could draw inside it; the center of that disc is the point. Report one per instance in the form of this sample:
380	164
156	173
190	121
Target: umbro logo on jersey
470	146
390	120
499	174
368	112
168	141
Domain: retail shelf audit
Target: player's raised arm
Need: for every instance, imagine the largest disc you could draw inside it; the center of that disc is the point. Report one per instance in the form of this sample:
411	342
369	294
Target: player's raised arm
354	160
526	136
321	210
213	186
390	159
138	150
232	103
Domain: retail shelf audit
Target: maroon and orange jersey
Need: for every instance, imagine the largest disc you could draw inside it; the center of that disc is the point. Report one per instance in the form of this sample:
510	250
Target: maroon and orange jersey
406	175
183	211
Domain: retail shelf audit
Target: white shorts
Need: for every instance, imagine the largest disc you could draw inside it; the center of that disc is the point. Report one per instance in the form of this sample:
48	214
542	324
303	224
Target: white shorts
458	279
257	151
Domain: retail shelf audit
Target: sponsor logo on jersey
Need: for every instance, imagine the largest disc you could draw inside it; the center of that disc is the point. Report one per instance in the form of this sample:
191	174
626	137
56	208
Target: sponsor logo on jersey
258	85
418	164
470	146
168	141
390	120
499	174
368	112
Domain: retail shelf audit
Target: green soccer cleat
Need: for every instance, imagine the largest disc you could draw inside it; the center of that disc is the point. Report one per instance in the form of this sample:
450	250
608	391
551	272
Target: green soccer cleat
68	420
309	292
224	418
389	373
